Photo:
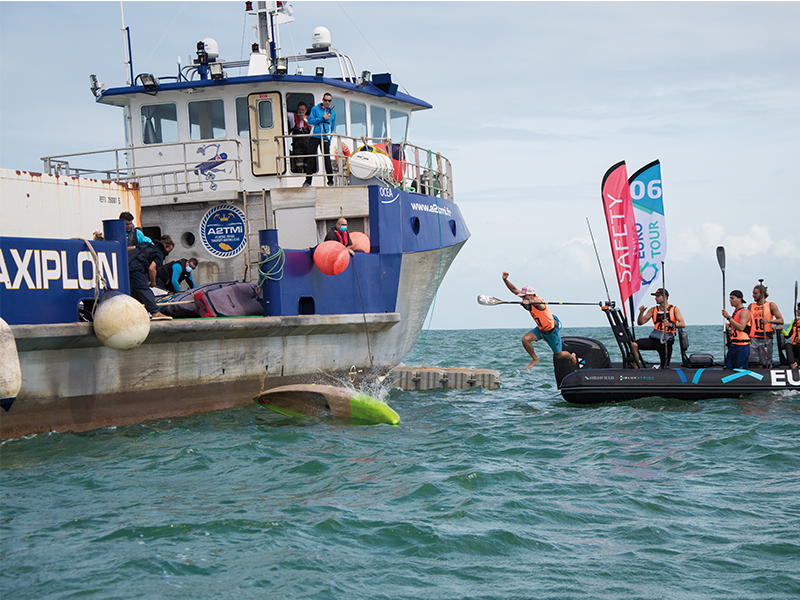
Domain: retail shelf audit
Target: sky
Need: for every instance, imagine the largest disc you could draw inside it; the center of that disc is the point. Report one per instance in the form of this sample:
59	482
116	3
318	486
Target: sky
533	102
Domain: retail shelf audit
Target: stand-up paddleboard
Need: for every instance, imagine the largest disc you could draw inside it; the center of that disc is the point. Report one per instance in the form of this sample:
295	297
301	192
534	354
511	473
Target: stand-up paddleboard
309	400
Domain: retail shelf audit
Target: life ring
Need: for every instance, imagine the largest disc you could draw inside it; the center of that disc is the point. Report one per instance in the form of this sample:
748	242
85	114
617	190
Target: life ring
340	160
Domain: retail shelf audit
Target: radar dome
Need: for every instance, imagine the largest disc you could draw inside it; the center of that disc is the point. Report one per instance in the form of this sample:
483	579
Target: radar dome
321	38
211	47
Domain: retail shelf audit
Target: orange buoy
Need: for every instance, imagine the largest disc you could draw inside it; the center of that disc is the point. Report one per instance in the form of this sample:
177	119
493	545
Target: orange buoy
331	257
360	241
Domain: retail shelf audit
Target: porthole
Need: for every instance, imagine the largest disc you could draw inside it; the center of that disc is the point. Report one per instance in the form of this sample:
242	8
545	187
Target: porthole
415	225
188	239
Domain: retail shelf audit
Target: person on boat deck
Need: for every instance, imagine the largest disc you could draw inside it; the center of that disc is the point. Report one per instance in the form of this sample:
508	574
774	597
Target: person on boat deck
764	315
170	275
792	334
143	263
738	355
298	125
339	234
133	234
664	324
548	327
323	118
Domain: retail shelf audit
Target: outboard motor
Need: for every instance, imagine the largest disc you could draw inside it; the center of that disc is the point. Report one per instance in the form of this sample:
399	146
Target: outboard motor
591	354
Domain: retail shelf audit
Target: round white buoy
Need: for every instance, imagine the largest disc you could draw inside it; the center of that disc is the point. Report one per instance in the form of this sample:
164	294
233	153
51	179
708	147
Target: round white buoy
366	165
121	322
10	372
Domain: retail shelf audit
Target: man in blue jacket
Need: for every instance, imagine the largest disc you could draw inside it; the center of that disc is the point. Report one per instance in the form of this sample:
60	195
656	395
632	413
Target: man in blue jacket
323	118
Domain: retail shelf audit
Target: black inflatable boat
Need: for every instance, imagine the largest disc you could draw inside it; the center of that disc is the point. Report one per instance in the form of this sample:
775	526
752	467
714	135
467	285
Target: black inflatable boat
595	379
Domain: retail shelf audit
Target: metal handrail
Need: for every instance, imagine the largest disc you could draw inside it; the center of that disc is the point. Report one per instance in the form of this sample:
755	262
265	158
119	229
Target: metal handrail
423	170
152	176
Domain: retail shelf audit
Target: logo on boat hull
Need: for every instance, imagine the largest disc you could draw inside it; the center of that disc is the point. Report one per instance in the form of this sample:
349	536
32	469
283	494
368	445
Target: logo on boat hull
222	231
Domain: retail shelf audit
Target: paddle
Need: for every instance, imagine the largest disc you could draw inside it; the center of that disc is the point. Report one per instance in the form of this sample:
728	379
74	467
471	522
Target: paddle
666	315
721	261
794	307
492	301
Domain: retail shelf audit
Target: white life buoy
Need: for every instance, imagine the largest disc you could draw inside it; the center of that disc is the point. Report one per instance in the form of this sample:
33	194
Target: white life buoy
10	372
120	322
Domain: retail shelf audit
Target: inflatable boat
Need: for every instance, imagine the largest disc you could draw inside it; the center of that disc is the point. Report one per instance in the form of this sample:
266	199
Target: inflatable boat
595	379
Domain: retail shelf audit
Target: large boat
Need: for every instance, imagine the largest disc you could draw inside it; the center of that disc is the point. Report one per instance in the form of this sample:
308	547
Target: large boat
596	379
209	160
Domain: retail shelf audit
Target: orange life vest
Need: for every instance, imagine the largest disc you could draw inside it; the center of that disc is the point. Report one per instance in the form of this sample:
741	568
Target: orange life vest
544	318
796	332
759	314
658	317
739	338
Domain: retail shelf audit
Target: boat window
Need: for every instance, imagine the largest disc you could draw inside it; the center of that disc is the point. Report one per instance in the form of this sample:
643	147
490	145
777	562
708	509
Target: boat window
206	120
159	124
399	126
242	126
265	119
340	108
358	119
378	116
295	98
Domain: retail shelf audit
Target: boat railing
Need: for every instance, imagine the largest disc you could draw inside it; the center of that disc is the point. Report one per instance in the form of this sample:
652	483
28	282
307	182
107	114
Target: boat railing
173	168
415	168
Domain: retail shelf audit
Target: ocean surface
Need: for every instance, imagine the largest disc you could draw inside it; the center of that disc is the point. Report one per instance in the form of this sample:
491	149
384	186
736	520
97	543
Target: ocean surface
511	493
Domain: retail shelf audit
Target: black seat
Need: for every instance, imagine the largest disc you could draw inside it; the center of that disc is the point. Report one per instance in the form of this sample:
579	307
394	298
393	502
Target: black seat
693	361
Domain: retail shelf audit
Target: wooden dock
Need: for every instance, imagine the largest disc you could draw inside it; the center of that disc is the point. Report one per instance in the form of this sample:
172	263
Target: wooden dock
429	378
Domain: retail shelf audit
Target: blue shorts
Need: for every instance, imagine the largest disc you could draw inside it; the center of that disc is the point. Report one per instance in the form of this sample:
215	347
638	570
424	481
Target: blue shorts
738	357
552	337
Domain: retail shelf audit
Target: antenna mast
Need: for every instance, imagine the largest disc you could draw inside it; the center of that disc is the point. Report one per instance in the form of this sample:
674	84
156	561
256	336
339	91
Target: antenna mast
126	47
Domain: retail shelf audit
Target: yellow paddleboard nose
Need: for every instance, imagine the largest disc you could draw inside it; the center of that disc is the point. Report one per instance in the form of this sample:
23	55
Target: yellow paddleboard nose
368	409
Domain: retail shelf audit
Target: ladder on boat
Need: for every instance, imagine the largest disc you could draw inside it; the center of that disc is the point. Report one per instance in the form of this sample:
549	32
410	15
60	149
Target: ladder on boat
257	216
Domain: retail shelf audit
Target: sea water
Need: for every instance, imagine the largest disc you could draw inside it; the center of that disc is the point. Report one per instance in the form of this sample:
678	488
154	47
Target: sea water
511	493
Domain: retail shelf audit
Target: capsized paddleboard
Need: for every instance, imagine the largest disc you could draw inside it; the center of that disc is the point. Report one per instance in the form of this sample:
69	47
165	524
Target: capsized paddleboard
309	400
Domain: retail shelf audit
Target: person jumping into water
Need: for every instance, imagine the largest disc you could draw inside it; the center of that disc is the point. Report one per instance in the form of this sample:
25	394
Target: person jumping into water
547	324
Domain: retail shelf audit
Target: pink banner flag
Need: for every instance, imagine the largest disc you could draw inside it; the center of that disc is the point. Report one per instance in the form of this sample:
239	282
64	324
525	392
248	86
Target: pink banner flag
621	222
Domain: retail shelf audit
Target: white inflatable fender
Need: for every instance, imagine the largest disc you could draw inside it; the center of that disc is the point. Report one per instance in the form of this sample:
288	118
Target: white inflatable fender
120	322
10	372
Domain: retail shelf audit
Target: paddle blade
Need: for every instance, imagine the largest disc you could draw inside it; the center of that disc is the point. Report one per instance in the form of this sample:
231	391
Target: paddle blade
489	300
721	257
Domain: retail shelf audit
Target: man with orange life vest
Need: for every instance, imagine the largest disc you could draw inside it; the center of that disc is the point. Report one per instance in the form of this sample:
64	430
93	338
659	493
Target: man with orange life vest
666	318
764	315
738	354
547	327
339	234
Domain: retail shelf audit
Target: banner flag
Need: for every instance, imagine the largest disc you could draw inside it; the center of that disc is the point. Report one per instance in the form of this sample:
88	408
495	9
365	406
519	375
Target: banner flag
618	210
651	227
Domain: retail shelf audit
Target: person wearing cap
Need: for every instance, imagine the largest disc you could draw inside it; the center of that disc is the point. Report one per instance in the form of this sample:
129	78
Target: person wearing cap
764	315
738	355
666	318
548	327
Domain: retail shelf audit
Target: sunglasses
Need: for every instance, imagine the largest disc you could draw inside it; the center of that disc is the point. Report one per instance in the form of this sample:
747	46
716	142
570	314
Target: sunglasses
326	99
